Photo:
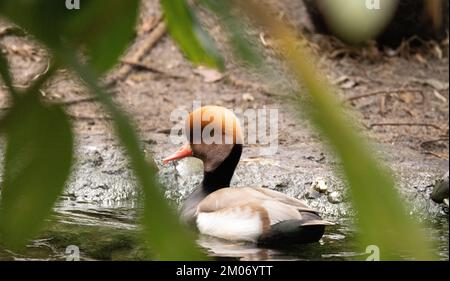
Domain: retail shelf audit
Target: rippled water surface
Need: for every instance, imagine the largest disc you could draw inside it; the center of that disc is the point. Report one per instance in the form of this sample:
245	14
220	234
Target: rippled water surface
112	233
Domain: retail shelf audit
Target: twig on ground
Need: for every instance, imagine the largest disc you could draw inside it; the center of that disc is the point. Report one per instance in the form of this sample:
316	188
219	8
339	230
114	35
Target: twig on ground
404	124
158	31
89	118
424	143
383	92
77	101
435	154
151	68
240	83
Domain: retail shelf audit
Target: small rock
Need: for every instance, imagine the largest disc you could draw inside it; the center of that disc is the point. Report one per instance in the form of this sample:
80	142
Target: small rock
436	84
335	197
151	141
101	186
248	97
96	159
320	185
312	194
281	184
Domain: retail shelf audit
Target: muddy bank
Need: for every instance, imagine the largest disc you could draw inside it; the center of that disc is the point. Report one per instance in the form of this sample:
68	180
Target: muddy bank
102	175
99	211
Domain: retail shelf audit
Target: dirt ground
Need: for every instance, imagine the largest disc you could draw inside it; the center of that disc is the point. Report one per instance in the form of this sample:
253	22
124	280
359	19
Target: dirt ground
398	97
404	86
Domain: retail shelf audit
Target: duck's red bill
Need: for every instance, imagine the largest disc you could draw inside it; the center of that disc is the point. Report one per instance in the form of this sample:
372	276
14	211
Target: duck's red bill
184	151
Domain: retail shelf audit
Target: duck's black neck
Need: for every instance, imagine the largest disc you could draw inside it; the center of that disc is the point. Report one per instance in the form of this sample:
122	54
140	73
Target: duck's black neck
221	176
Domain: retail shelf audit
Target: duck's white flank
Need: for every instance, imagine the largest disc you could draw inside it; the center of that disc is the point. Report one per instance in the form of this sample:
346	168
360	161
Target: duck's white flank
236	223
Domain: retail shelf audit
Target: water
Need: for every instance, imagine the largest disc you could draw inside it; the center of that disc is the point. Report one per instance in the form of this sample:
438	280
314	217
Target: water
111	232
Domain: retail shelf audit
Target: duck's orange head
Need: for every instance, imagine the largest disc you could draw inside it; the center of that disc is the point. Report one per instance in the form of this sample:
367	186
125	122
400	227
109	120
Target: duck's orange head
212	132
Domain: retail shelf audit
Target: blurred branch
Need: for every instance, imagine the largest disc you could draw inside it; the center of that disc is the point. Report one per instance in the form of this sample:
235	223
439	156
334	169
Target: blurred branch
158	31
384	92
434	10
381	215
405	124
150	68
187	31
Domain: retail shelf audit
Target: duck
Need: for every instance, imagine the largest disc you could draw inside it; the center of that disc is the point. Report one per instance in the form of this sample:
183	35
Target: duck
250	214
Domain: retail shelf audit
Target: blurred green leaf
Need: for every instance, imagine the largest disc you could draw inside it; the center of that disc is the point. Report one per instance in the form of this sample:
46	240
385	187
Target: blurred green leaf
240	42
102	27
105	28
43	18
38	157
187	32
381	216
166	237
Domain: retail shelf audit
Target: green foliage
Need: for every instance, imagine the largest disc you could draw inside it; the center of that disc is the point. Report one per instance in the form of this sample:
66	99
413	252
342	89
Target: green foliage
37	163
167	239
40	141
43	19
241	44
382	218
381	214
104	28
187	32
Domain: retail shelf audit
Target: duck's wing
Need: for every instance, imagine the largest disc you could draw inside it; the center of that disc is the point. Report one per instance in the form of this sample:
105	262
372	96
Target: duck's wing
246	212
288	200
228	197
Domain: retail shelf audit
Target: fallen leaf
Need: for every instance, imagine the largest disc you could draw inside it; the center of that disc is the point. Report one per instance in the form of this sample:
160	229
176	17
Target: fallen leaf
340	79
209	75
420	58
437	51
436	84
148	25
348	84
407	97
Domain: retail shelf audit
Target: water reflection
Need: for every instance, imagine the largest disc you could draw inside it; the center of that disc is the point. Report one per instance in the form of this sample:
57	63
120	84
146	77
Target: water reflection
112	232
337	244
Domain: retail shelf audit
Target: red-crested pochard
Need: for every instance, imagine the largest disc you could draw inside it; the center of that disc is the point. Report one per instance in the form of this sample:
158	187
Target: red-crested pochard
251	214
